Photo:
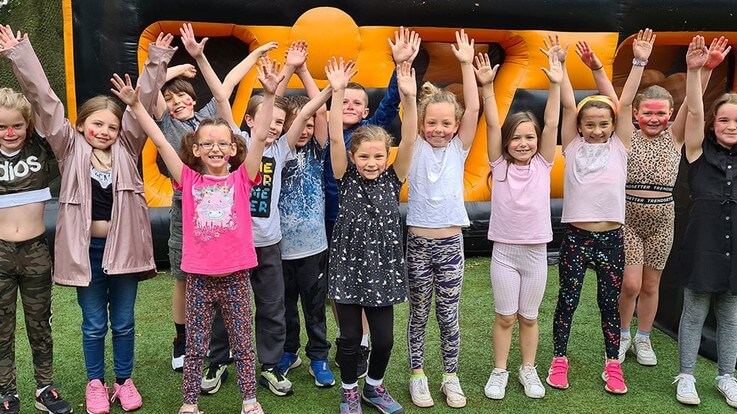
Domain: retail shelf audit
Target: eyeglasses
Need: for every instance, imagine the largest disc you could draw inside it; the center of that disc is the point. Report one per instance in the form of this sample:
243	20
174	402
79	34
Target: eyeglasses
209	145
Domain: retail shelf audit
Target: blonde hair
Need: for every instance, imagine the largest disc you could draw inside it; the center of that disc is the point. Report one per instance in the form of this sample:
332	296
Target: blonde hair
653	92
431	94
370	133
98	103
16	101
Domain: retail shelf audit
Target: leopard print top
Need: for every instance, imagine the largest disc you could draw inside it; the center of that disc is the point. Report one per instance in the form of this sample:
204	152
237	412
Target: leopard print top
653	161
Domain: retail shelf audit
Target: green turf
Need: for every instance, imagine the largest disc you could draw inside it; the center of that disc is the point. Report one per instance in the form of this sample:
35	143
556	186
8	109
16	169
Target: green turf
650	387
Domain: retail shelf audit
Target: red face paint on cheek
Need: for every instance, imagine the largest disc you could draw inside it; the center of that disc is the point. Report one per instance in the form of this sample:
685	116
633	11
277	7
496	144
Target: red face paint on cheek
171	114
189	103
92	132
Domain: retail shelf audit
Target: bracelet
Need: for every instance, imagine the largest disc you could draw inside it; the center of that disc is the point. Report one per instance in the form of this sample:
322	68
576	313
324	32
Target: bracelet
640	63
487	97
600	67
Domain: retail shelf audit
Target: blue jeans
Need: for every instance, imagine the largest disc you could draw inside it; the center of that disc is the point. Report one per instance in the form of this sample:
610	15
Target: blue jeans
116	293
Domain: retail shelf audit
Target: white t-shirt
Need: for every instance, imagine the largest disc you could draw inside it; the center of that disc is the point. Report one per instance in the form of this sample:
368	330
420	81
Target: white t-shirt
436	185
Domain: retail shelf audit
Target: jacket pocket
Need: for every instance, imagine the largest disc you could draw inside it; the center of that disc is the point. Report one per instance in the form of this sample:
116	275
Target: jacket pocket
70	197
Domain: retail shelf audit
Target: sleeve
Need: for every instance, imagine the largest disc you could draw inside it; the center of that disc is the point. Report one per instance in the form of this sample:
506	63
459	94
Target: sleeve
186	177
151	80
285	153
242	171
210	110
458	145
573	146
388	108
47	108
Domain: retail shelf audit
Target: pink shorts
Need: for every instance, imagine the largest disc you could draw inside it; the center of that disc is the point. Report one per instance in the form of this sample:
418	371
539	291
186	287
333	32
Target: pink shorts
519	273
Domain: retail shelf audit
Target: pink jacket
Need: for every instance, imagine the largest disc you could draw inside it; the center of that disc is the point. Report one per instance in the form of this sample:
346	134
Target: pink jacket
129	247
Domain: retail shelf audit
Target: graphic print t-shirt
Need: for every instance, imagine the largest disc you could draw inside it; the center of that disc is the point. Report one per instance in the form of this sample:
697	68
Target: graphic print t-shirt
216	222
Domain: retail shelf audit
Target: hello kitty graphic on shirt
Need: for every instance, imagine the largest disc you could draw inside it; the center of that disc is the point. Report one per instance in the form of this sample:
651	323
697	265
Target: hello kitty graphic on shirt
213	208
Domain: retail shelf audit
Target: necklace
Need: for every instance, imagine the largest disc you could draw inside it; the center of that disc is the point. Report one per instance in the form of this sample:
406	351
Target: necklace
102	160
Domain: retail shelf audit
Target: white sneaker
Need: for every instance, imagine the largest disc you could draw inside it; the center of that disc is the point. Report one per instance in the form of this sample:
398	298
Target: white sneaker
686	390
496	386
644	351
454	396
531	381
420	393
624	346
728	387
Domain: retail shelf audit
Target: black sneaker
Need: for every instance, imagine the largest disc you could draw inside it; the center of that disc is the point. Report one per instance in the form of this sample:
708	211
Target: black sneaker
363	359
213	378
50	401
10	405
177	354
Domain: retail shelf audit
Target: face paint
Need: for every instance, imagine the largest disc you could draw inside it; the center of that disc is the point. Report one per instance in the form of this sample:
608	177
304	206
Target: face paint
92	132
10	131
189	104
171	114
653	116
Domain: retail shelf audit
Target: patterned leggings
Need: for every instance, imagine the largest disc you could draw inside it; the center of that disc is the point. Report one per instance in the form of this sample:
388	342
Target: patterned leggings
434	263
605	252
233	293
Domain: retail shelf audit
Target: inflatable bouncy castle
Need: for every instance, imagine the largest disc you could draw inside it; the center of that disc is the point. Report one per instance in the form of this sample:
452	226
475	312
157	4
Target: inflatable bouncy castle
101	38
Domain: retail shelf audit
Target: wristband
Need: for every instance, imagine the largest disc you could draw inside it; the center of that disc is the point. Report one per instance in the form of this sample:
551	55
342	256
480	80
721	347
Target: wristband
487	97
640	63
600	67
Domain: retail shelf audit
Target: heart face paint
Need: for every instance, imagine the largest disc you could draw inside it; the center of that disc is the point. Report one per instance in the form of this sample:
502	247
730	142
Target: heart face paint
92	132
652	116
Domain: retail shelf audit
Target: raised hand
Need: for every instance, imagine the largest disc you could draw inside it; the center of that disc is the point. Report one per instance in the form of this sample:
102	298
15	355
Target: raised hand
406	45
484	72
164	40
8	39
717	52
296	55
697	53
339	73
269	74
552	45
555	72
587	55
642	46
194	48
188	70
406	79
463	49
262	50
124	89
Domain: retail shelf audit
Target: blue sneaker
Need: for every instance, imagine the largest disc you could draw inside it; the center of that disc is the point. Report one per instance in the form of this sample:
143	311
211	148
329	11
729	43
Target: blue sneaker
288	361
379	398
320	369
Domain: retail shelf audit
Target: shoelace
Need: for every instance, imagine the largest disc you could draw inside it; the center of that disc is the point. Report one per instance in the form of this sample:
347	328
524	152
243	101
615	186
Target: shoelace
98	393
645	344
454	386
212	371
354	402
731	387
684	378
529	374
126	390
385	397
497	378
420	387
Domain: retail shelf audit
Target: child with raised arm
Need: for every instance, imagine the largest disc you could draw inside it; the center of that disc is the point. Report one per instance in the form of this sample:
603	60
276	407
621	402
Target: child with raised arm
705	260
177	116
521	158
26	262
366	270
596	150
96	248
435	215
215	205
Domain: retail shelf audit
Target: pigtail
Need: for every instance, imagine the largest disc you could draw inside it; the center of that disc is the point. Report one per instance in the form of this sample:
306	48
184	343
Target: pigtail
189	140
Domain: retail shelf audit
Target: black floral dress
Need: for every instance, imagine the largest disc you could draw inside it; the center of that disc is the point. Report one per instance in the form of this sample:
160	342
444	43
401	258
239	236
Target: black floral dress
366	256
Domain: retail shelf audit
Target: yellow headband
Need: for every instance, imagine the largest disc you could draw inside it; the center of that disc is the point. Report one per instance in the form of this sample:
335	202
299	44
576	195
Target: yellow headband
598	98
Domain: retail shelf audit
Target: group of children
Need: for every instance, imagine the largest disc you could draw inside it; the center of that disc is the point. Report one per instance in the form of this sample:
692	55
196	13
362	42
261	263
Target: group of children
314	214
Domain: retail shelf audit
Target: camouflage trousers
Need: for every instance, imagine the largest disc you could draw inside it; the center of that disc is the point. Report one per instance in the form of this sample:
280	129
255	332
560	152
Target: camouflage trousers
25	266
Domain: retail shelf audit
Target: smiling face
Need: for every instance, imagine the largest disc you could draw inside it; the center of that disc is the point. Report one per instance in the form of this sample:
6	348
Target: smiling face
180	105
13	130
370	158
355	107
725	125
523	145
100	129
596	125
652	116
278	117
439	125
214	147
307	133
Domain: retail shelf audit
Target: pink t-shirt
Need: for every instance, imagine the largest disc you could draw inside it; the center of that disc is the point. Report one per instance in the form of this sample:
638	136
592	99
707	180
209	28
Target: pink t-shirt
216	222
520	202
594	180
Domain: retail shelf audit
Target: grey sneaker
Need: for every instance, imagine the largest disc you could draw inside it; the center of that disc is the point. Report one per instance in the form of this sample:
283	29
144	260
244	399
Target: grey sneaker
624	345
420	392
496	386
531	381
686	390
213	378
642	347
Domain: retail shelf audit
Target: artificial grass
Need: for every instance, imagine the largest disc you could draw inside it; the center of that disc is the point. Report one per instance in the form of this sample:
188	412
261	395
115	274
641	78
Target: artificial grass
650	388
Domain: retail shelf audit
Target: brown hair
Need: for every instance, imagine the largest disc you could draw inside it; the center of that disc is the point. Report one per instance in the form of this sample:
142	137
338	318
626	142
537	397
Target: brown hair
510	126
295	103
192	138
358	87
595	104
256	100
16	101
431	94
368	133
711	116
179	84
98	103
653	92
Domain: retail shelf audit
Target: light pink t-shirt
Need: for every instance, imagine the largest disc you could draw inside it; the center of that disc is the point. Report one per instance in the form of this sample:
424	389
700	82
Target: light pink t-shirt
594	180
216	222
520	202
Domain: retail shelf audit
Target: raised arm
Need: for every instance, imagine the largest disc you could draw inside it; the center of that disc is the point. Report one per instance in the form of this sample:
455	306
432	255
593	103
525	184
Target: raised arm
123	89
185	70
268	75
642	46
408	91
717	52
338	73
485	75
546	147
233	78
463	50
295	58
696	57
307	112
589	58
569	125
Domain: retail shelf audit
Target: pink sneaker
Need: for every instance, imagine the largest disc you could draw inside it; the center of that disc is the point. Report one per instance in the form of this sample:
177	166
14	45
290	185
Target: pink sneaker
128	395
95	397
614	378
558	373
